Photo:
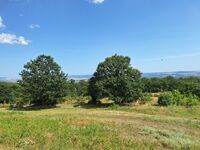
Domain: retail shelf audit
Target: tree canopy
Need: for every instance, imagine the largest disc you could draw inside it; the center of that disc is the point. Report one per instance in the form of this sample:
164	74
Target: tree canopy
117	80
43	82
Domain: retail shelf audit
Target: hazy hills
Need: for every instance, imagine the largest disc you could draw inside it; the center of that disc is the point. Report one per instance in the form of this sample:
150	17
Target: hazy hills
5	79
150	75
173	74
147	75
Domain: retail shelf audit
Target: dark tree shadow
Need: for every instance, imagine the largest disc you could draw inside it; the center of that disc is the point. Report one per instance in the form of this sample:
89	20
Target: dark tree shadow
32	108
88	106
98	105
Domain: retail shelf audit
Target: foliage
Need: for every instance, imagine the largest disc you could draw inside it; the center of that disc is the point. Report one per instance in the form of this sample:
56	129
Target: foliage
165	99
6	95
117	80
187	86
43	82
9	92
154	85
146	98
82	88
191	100
77	88
176	98
71	88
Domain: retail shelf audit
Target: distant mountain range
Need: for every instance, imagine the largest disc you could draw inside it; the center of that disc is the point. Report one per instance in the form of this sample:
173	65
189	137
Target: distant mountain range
173	74
147	75
80	77
150	75
5	79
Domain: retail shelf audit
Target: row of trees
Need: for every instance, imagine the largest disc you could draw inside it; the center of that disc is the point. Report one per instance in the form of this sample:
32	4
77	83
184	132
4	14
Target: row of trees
187	86
11	93
44	83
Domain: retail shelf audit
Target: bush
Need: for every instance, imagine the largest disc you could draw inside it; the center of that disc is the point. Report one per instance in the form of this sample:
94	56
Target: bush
156	94
114	107
165	99
192	100
146	98
178	99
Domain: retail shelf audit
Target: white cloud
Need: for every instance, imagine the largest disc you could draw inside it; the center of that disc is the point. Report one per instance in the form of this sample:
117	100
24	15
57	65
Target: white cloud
1	23
97	1
34	26
7	38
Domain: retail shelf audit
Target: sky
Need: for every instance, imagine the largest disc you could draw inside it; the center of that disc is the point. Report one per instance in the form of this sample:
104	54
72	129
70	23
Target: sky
158	35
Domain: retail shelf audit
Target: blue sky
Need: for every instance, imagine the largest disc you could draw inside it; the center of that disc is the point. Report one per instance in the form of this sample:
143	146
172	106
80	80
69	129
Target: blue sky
158	35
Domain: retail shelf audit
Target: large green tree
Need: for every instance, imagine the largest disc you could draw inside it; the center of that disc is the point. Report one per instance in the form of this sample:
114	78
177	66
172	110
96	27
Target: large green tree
43	82
117	80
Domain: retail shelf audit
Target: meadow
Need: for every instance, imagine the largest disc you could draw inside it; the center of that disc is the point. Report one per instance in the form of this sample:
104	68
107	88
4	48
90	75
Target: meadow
89	127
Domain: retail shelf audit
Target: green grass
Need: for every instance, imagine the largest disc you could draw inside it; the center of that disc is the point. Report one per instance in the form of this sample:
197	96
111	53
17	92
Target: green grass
66	127
174	111
171	138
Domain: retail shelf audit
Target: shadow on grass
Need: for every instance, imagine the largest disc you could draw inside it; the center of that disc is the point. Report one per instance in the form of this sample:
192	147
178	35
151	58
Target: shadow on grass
98	105
32	108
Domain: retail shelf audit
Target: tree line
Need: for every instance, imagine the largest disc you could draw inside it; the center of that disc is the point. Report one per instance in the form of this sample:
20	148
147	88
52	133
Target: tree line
185	85
43	83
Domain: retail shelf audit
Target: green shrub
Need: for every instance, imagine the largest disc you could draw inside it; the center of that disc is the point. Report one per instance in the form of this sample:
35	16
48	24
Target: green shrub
146	98
192	100
114	107
165	99
178	99
156	94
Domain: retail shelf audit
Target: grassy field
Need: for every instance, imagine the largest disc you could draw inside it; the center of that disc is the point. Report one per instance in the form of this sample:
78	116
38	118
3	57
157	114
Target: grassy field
68	127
